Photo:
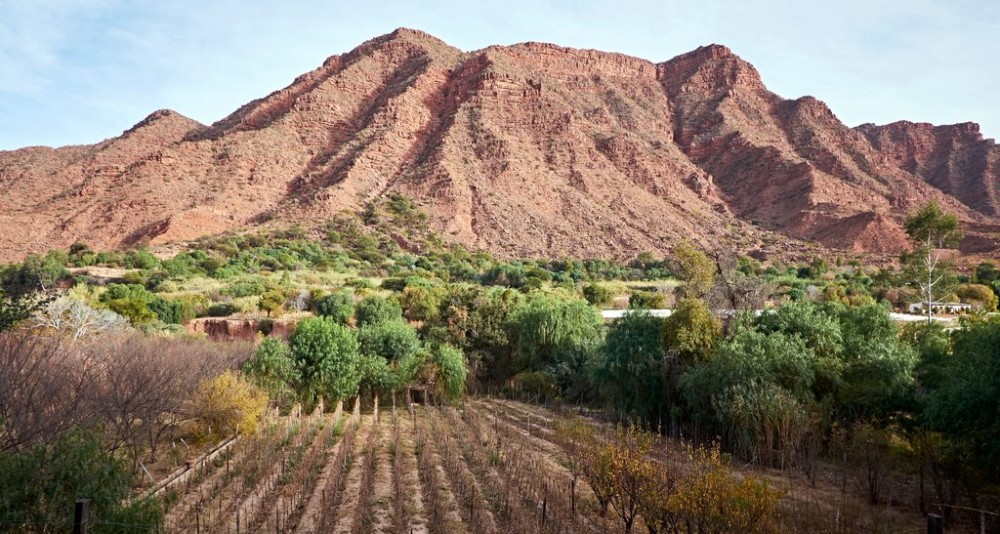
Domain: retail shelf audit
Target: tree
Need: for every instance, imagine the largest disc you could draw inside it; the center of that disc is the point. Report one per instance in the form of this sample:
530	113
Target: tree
229	403
631	471
421	303
695	269
376	309
628	370
451	371
16	308
736	287
131	301
877	374
272	300
78	320
559	336
39	486
391	340
930	231
597	294
327	357
978	294
338	306
440	368
692	330
964	407
35	383
272	368
753	389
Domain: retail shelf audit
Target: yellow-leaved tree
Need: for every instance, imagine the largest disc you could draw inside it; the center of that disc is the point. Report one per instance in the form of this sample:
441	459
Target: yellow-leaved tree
228	404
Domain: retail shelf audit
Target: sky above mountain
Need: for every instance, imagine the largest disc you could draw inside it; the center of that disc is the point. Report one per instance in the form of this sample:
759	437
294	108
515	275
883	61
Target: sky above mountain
78	71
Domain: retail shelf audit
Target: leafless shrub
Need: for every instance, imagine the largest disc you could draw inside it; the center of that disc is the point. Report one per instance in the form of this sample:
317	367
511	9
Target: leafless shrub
42	389
76	319
133	386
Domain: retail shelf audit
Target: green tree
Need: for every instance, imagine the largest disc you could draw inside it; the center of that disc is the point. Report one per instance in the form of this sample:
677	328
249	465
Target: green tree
629	369
692	330
695	269
753	391
477	320
16	308
441	368
36	273
558	335
451	371
130	301
40	485
421	303
338	306
327	358
272	300
878	367
597	294
964	407
986	273
930	231
820	329
272	368
376	309
390	340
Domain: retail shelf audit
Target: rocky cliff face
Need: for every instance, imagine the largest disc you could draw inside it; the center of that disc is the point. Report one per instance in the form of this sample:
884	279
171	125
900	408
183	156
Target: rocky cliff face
525	150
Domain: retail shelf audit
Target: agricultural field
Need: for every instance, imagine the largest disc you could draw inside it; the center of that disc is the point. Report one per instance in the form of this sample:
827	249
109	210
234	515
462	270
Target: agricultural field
489	465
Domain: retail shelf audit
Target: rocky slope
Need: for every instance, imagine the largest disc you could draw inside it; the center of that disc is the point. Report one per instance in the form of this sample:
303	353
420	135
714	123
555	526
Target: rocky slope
525	150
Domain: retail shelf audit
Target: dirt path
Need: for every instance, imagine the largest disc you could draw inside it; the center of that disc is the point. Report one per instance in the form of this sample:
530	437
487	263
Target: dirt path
307	523
476	508
414	517
440	488
342	520
380	494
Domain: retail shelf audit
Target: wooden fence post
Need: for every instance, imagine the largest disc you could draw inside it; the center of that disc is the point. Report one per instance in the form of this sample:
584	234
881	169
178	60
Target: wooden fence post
81	515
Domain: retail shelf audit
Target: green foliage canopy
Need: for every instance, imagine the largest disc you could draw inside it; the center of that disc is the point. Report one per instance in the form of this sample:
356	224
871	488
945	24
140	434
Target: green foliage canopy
327	358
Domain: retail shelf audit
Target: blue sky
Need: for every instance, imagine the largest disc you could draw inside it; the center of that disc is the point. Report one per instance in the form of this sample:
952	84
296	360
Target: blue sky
79	71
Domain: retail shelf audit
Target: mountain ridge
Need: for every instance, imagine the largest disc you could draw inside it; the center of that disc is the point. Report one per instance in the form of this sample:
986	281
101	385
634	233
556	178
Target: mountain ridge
530	149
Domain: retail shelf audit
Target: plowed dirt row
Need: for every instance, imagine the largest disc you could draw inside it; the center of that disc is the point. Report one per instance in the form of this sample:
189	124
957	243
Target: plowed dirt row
486	467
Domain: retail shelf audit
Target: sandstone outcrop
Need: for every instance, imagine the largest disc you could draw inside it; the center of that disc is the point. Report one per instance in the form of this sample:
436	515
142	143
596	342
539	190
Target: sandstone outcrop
524	150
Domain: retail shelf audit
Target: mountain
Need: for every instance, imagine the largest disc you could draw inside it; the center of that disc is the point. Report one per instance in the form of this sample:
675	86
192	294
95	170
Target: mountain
524	150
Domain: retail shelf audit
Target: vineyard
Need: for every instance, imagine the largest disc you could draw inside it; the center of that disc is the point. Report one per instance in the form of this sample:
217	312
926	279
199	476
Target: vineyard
417	469
491	466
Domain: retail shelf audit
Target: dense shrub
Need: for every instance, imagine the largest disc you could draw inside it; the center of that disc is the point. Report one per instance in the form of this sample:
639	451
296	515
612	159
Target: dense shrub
376	309
40	485
338	306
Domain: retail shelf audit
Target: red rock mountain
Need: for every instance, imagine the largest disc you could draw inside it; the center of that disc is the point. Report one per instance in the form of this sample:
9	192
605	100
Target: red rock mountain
524	150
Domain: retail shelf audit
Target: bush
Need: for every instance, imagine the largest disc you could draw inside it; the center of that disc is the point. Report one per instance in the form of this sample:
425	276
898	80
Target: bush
692	330
391	340
41	484
375	309
271	301
629	371
227	404
647	300
248	287
597	294
221	309
451	371
338	306
271	367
